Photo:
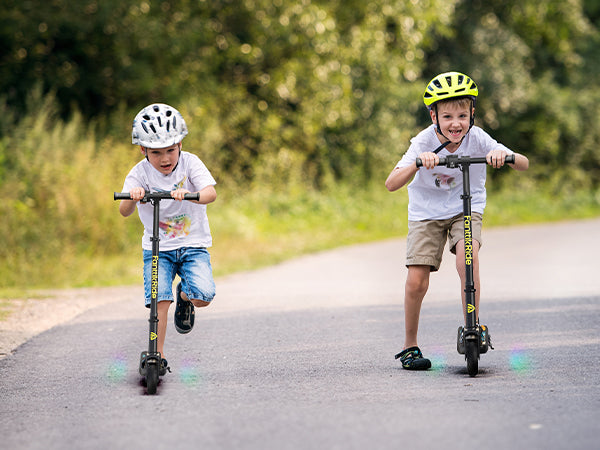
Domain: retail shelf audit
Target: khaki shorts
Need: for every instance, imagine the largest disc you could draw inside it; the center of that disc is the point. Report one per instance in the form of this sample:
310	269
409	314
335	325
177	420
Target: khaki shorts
426	239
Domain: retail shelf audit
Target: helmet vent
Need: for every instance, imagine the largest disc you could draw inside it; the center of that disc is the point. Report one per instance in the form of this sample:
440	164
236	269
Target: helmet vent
437	84
152	128
144	127
168	113
146	117
159	122
449	81
460	79
156	108
174	121
168	125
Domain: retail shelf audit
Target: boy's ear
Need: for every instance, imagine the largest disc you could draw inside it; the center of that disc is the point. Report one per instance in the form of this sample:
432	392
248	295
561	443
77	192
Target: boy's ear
433	117
143	150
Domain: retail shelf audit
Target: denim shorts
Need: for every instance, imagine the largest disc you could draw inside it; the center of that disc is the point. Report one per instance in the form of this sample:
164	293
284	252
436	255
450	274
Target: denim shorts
192	264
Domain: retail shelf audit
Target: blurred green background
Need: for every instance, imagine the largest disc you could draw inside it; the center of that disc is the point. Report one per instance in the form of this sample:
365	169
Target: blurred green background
300	109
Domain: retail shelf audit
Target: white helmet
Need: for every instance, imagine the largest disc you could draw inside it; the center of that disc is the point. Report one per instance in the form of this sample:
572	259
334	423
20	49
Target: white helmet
158	126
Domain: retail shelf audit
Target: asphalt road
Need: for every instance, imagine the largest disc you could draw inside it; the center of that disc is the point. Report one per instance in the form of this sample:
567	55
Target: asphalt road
301	356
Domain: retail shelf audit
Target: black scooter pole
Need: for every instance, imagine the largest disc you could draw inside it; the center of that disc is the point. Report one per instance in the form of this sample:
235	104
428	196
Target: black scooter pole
152	343
471	319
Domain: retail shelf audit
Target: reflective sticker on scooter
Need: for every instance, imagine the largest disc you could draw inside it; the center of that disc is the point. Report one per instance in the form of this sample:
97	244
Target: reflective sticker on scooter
153	336
470	308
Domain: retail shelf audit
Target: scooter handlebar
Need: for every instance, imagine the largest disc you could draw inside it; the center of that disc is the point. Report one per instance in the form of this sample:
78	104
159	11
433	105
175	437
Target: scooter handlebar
455	161
156	195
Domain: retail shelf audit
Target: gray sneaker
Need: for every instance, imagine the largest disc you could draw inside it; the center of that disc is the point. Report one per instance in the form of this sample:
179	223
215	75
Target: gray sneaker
412	359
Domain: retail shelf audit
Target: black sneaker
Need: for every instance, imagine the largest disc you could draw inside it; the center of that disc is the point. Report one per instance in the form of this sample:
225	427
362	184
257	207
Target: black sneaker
412	359
184	314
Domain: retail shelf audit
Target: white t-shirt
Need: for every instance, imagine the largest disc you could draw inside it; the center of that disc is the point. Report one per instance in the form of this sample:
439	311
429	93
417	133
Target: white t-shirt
434	194
182	224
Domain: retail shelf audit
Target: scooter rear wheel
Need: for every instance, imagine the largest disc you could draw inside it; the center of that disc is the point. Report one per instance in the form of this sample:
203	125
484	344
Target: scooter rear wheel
472	356
151	378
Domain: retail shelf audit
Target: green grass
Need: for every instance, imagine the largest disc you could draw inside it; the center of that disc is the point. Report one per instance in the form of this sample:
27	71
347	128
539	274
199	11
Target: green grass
260	228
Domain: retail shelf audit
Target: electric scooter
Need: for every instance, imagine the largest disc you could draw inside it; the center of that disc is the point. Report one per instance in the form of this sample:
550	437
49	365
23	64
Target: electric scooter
151	366
475	338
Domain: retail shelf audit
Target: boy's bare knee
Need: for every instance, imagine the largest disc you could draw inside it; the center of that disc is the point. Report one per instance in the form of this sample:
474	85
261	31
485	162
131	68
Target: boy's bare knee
417	281
200	303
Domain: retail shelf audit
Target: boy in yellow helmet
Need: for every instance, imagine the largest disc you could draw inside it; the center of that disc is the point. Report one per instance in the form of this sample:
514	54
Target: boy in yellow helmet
435	204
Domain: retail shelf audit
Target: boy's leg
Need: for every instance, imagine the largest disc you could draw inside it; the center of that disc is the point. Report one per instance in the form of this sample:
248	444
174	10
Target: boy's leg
457	246
163	313
197	286
424	248
417	283
166	273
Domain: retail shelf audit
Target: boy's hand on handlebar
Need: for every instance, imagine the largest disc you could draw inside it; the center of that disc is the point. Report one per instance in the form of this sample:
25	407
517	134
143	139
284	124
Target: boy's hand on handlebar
179	194
137	193
429	159
496	158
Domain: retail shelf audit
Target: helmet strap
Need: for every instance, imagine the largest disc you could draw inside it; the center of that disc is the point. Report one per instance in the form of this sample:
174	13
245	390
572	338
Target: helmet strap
439	149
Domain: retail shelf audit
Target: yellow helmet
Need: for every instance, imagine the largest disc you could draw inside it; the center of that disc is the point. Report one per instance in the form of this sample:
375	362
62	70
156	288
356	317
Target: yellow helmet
449	85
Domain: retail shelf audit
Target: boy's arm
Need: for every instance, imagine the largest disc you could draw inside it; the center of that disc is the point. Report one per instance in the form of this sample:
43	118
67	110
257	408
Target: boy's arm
208	195
521	162
127	207
402	175
399	177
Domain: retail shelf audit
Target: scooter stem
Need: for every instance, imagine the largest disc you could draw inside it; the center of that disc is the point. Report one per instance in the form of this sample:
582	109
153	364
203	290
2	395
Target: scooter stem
152	342
471	314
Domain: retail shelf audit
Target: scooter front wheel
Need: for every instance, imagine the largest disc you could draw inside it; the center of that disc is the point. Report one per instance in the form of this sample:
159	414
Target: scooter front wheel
472	356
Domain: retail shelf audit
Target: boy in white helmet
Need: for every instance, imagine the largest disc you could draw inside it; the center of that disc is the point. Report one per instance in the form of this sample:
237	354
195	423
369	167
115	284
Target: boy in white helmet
184	230
435	208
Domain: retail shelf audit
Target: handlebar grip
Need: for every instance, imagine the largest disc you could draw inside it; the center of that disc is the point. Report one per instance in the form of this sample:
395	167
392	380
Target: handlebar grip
194	196
441	163
510	159
122	196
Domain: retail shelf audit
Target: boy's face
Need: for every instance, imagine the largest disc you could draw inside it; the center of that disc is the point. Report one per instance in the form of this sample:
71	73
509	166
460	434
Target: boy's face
453	119
163	159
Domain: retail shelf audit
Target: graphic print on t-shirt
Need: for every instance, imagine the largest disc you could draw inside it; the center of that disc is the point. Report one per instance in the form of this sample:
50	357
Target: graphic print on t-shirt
444	181
180	184
176	226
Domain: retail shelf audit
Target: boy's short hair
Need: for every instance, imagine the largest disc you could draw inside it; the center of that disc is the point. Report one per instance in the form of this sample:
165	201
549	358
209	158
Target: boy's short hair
462	102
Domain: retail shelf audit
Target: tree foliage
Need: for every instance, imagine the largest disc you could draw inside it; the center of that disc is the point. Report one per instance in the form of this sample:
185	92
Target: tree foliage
328	86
